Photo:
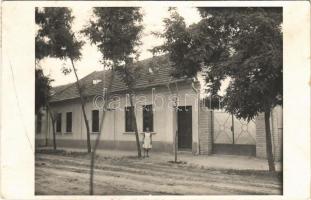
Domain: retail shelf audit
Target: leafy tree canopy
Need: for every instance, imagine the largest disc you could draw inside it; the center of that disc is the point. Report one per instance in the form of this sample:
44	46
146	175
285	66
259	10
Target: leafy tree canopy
116	31
244	44
54	36
178	40
54	39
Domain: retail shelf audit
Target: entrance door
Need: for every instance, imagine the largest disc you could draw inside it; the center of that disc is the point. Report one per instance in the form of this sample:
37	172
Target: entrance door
184	127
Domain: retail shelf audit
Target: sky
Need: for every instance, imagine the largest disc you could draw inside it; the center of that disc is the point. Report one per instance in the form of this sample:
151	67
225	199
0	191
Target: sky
90	61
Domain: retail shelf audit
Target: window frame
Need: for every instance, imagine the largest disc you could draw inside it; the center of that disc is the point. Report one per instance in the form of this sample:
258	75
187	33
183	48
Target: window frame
69	131
58	123
93	123
148	113
127	112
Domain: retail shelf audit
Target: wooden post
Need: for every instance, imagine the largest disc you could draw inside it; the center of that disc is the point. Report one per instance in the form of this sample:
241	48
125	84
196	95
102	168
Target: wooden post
232	128
176	132
212	130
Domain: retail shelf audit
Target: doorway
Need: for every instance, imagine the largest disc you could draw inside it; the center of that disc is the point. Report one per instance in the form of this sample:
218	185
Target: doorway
184	116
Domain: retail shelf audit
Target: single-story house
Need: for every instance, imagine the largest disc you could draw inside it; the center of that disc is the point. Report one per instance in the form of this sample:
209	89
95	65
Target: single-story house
154	100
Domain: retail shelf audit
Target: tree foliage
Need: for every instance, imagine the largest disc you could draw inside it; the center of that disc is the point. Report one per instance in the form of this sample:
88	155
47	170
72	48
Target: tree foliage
177	42
116	32
55	37
42	89
244	44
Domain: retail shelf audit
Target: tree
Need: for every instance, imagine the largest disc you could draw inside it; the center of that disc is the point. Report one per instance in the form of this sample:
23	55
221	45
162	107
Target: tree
56	39
42	97
244	44
116	33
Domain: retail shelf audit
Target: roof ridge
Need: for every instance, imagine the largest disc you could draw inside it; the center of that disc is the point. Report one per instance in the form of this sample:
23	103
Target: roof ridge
66	86
69	84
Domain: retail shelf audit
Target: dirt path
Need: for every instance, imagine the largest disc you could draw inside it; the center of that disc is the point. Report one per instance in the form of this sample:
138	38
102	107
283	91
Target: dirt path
69	175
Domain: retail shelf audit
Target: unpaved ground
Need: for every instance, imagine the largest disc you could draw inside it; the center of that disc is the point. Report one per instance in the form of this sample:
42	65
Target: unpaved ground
68	174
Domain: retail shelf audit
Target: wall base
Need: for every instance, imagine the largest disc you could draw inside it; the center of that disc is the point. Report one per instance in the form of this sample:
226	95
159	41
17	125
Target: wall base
118	145
235	149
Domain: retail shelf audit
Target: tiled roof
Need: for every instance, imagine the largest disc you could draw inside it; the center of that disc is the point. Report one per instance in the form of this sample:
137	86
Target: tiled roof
152	72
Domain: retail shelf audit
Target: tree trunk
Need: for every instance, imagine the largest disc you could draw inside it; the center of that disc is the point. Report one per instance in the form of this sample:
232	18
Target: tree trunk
175	137
87	129
93	159
268	142
135	127
176	145
83	109
106	97
176	133
54	134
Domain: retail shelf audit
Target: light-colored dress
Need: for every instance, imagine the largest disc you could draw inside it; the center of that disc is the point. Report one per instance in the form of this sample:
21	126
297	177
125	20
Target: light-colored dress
147	141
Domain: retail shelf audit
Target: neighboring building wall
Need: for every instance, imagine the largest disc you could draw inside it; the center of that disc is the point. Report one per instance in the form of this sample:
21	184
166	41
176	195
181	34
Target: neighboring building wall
114	135
276	131
77	123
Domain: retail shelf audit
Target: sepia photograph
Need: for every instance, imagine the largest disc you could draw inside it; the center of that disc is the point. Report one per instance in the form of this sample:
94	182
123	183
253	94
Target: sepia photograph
158	100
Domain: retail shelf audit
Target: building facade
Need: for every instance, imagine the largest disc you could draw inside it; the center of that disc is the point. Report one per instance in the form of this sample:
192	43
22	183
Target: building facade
157	95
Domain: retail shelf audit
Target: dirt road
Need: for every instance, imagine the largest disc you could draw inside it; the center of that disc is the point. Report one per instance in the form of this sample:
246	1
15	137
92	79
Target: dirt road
69	175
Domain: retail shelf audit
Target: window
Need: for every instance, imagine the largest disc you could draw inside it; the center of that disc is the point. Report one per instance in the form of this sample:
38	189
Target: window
69	122
129	120
95	121
39	122
147	118
59	122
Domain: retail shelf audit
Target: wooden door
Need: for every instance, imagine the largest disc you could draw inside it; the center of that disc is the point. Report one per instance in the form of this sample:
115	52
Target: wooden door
184	127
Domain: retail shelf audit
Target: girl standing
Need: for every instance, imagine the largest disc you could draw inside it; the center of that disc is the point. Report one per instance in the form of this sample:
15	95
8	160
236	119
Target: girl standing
147	141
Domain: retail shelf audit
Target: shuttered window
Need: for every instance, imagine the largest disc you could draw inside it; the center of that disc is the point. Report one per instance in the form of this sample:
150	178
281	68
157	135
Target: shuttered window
59	122
69	122
95	121
129	120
